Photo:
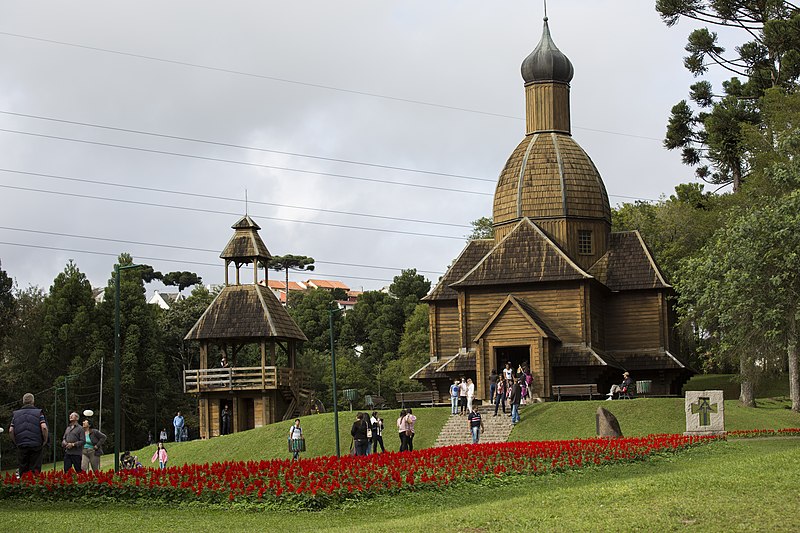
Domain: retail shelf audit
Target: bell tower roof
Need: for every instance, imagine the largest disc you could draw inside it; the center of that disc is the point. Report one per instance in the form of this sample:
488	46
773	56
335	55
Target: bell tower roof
547	62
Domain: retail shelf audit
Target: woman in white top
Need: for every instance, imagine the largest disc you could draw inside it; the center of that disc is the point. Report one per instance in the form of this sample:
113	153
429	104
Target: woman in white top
470	394
295	434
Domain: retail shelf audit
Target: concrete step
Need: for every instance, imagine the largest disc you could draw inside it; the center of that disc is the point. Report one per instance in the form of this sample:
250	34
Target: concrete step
456	429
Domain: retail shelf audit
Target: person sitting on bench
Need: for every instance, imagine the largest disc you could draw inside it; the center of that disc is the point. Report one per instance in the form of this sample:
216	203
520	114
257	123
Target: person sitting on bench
622	388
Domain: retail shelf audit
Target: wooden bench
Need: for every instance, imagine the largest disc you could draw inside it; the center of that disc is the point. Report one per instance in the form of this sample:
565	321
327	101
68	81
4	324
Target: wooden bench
585	389
372	401
424	397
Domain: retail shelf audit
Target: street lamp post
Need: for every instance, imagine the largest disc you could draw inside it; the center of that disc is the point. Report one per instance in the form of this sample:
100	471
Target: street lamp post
1	449
117	407
333	368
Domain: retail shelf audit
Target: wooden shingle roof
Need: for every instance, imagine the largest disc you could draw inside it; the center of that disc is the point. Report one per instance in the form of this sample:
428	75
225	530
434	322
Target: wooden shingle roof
245	312
469	257
525	255
628	265
581	355
648	360
548	175
246	243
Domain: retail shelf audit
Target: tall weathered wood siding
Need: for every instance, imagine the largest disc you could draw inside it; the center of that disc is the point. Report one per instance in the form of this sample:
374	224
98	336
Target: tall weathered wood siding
445	337
547	107
634	321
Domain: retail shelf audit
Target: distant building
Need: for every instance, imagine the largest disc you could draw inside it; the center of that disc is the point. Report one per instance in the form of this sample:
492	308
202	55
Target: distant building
278	288
99	294
165	300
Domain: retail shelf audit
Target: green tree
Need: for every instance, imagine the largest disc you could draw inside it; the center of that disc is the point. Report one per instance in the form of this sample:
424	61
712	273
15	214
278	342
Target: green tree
69	329
290	262
481	229
310	311
409	287
712	137
7	304
414	352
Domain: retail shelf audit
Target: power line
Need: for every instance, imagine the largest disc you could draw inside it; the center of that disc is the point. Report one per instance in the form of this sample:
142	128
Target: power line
244	163
243	147
197	209
161	259
177	247
216	197
307	84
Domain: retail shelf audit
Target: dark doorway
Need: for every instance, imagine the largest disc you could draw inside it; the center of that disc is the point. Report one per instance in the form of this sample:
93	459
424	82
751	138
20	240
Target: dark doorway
248	420
516	355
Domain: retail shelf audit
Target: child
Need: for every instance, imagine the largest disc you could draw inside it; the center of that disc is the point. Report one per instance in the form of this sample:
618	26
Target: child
161	455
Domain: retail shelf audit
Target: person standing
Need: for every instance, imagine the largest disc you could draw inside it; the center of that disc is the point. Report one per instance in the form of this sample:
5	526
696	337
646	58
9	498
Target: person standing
492	385
402	428
359	434
508	372
455	391
475	425
72	443
462	396
92	447
514	399
411	420
162	437
377	432
160	456
470	394
178	422
29	432
295	436
225	427
500	395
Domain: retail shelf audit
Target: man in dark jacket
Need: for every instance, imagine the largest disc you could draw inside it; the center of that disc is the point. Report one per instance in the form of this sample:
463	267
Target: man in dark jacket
515	399
72	442
28	431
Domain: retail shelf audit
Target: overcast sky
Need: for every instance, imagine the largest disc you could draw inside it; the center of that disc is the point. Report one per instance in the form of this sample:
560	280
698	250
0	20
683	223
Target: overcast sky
345	80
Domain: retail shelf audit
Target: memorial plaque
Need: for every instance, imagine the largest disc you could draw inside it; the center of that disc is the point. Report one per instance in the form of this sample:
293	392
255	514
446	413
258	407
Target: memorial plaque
705	413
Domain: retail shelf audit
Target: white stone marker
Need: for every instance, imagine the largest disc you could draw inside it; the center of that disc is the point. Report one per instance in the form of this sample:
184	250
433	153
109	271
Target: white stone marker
705	413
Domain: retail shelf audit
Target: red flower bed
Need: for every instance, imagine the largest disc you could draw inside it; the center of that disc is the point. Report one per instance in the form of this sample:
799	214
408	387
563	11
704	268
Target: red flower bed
319	481
751	433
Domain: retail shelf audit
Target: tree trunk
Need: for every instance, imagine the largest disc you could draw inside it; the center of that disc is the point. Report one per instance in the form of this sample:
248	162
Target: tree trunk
794	368
287	287
747	392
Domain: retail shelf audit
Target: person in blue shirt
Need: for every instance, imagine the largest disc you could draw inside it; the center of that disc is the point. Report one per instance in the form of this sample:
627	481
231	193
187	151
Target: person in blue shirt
178	423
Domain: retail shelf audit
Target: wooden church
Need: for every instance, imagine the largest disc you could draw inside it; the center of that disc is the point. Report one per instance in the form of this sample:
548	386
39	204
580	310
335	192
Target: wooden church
554	288
246	316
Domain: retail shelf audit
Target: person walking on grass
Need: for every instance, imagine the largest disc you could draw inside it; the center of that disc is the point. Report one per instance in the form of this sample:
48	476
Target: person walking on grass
402	428
29	432
295	436
160	456
475	425
410	433
377	432
178	423
359	434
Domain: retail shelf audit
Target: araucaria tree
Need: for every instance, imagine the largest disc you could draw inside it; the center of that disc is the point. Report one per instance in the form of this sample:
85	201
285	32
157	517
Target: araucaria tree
710	134
290	262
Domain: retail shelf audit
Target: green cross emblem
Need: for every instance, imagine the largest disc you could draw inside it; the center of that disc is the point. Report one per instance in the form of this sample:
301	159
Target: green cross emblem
705	409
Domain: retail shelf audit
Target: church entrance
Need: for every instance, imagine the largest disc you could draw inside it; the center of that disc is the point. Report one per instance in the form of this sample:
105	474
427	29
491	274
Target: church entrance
516	355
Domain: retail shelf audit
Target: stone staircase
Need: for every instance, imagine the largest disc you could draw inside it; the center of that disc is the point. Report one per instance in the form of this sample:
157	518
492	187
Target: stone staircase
495	428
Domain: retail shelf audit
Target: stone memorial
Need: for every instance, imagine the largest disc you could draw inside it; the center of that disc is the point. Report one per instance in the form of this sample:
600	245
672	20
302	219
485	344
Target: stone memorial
607	424
705	413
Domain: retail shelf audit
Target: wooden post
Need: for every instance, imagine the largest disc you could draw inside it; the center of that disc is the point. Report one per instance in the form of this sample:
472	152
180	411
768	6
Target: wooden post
263	346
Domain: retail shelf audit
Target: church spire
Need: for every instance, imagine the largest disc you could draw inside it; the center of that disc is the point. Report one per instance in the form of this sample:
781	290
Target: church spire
547	73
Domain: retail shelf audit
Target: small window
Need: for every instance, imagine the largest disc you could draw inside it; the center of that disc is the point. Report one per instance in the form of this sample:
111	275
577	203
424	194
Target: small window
585	241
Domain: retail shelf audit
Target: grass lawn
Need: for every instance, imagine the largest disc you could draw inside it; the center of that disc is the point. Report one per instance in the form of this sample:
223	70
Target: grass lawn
642	416
746	485
269	442
768	387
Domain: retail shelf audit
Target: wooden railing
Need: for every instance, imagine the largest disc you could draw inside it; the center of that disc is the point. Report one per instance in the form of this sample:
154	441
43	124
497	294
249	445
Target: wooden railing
244	378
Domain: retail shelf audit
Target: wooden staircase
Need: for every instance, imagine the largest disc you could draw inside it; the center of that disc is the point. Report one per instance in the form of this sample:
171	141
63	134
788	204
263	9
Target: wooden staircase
300	404
495	428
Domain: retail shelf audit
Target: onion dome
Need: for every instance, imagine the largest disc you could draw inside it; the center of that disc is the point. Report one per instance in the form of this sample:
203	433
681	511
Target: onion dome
547	62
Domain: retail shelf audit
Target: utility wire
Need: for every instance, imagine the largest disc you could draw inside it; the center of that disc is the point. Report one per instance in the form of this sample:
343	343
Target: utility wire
161	259
307	84
216	197
200	210
243	147
245	163
177	247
